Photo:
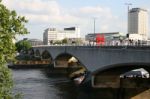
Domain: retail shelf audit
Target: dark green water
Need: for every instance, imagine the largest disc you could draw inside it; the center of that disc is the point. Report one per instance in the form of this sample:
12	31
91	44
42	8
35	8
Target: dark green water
41	84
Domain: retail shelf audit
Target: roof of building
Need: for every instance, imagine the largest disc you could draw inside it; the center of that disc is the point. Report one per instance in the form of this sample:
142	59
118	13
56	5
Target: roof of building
34	40
108	33
137	10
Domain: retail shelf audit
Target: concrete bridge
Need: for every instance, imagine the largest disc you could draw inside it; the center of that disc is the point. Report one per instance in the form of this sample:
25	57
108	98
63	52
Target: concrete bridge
106	64
98	58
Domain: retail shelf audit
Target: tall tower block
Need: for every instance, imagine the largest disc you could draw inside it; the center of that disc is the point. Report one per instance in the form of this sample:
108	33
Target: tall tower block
138	22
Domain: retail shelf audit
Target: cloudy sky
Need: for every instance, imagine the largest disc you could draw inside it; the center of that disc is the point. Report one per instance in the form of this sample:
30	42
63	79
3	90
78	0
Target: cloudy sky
111	15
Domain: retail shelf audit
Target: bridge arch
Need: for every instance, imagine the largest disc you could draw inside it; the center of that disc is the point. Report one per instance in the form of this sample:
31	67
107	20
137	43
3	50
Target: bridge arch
46	55
112	74
67	60
31	52
37	53
126	66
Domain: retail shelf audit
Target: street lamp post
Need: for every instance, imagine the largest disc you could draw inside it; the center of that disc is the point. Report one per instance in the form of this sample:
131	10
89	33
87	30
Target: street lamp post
128	6
128	9
94	25
94	30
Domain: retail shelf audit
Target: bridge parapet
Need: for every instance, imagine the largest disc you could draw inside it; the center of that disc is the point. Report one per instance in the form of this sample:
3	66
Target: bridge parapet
95	58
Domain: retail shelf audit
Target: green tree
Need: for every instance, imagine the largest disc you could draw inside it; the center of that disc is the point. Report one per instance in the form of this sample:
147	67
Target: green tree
10	25
64	41
57	42
23	45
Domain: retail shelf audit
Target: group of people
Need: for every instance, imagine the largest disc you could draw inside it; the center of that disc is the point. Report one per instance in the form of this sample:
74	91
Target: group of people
124	42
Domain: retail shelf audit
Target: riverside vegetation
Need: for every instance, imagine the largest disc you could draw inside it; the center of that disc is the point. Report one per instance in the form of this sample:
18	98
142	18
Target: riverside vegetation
10	25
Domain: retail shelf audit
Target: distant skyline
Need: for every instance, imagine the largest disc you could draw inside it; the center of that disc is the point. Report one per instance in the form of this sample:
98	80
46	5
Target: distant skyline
111	15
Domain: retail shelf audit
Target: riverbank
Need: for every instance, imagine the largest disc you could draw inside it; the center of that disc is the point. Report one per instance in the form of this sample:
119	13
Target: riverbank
29	64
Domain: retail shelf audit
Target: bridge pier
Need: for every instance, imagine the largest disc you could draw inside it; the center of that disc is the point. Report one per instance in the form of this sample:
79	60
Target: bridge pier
61	63
105	81
122	88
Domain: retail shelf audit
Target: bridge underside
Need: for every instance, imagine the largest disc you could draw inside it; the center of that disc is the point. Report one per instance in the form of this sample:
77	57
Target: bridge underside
111	83
112	77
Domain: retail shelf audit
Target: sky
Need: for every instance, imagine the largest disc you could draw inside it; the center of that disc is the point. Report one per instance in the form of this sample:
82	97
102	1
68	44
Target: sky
109	15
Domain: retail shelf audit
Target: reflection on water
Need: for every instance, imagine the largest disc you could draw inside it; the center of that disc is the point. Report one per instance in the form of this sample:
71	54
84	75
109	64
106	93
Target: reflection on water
40	84
43	84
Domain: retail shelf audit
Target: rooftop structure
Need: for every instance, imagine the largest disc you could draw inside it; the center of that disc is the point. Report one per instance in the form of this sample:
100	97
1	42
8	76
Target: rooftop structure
53	34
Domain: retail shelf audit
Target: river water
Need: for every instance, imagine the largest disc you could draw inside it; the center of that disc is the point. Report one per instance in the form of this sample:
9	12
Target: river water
44	84
41	84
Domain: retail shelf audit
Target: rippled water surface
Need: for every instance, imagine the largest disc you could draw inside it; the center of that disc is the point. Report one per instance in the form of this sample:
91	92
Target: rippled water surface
43	84
40	84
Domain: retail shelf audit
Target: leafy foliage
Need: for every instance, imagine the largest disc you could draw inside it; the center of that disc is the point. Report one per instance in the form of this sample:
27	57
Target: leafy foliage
10	25
23	45
65	41
57	42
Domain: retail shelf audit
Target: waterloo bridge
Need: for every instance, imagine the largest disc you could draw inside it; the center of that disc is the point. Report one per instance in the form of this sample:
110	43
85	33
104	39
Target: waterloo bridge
105	64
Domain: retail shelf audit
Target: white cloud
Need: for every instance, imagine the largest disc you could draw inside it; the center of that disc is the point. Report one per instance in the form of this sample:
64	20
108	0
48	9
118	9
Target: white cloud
91	10
50	12
105	20
34	8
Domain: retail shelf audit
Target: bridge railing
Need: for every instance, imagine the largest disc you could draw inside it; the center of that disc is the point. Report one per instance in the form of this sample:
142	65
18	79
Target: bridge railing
107	43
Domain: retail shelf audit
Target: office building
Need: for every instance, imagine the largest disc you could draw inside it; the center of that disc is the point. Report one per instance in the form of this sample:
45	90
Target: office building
35	42
138	24
108	36
53	34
